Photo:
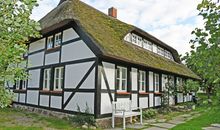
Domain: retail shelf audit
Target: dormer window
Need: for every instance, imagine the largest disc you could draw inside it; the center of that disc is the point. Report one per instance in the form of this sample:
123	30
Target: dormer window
134	39
50	42
147	45
160	51
57	40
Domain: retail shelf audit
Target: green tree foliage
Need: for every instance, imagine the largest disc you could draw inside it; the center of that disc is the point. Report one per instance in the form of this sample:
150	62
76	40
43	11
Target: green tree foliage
16	28
204	58
191	86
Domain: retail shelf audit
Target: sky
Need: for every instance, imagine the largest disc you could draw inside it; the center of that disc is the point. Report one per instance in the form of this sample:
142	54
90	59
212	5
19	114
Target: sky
171	21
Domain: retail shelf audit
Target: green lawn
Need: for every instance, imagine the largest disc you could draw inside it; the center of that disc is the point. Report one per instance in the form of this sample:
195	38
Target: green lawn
13	119
210	114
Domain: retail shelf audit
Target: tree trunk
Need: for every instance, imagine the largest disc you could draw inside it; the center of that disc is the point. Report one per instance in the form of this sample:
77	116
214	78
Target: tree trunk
209	94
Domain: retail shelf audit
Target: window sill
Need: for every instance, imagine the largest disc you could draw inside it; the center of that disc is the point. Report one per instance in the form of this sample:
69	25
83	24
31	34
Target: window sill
123	93
48	92
143	93
19	91
57	48
157	93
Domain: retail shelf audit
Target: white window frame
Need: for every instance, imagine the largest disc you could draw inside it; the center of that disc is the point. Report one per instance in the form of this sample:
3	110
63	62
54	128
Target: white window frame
17	85
50	41
57	39
142	81
134	39
58	79
47	80
120	79
24	84
156	82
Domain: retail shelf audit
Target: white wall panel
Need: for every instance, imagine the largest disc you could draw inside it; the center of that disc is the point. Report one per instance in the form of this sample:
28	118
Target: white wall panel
179	97
134	79
81	99
143	102
32	97
56	102
52	58
36	59
154	48
44	100
110	75
151	79
157	101
106	106
89	83
34	78
66	95
69	34
37	45
134	99
151	100
76	51
74	73
22	98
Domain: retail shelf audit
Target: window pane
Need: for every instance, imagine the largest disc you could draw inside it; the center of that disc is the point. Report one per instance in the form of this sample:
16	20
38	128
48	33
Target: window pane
117	84
124	74
118	73
123	84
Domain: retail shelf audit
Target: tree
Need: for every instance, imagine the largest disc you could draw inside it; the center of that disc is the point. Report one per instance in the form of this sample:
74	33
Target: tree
16	28
204	58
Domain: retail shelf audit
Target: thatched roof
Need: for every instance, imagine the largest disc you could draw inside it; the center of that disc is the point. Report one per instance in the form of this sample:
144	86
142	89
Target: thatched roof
108	34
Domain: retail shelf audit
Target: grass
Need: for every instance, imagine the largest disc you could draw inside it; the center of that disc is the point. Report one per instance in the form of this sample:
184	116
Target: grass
15	119
210	114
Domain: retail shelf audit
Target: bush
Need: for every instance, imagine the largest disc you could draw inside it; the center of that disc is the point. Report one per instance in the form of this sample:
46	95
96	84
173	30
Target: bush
6	97
149	113
83	118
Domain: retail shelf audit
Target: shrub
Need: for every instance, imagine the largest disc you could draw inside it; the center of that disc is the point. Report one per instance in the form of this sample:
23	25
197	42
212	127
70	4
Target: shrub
83	118
6	97
149	113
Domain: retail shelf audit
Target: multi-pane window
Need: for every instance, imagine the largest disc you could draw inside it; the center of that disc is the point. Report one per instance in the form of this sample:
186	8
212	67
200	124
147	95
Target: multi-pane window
50	42
20	84
58	78
134	39
147	45
23	84
139	41
160	51
57	41
142	81
46	79
121	79
157	82
17	84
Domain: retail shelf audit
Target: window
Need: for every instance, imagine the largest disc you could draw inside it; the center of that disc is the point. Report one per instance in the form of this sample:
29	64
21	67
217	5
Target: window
57	40
156	82
58	78
147	45
50	42
121	79
20	84
160	51
134	39
46	80
142	81
139	42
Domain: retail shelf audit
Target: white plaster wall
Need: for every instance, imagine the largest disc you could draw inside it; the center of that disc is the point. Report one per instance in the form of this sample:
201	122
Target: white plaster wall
34	78
157	101
56	102
76	51
66	96
44	100
37	45
69	34
36	59
22	98
81	99
89	83
151	79
154	48
151	103
74	73
32	97
143	102
106	106
52	58
134	99
134	79
110	75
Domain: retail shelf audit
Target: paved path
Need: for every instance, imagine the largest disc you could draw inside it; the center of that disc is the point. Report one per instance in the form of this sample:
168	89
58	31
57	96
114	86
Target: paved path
212	127
162	124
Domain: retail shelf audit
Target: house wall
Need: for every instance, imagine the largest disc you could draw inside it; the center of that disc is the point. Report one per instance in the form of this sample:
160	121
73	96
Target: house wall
79	64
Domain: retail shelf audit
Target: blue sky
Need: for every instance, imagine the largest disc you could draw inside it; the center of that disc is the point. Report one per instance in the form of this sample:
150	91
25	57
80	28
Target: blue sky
169	20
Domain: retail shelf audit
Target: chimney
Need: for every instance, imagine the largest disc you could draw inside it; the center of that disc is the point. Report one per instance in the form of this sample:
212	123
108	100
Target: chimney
112	12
